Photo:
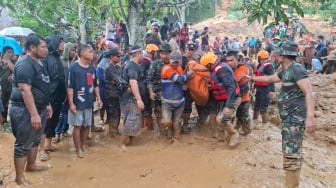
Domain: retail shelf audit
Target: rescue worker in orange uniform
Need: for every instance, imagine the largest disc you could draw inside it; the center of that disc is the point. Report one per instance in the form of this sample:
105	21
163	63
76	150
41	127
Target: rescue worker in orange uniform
240	70
223	96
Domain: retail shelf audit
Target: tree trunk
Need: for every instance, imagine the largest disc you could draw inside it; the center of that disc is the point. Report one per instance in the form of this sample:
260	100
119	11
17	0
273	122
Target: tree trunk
82	22
182	14
136	21
180	10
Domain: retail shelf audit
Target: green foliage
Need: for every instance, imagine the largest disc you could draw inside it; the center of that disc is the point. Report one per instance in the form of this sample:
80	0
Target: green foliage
48	17
275	11
234	11
235	15
325	11
36	26
6	3
54	17
236	6
201	10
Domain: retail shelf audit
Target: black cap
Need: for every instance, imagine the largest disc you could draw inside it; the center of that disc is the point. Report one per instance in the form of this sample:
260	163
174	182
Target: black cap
191	46
320	37
135	49
113	52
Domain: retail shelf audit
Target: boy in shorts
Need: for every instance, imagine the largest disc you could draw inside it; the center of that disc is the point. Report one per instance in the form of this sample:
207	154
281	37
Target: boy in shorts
82	90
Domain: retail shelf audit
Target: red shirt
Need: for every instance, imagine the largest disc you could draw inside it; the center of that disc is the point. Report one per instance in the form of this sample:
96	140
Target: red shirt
184	33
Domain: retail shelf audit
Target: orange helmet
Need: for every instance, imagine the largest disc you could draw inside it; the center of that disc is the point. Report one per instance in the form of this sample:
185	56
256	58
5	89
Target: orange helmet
151	48
263	54
208	58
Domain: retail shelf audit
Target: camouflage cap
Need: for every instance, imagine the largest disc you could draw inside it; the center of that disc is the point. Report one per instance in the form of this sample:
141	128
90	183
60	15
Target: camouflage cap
287	48
165	47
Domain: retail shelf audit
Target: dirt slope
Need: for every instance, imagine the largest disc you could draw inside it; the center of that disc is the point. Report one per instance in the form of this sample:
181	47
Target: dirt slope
219	25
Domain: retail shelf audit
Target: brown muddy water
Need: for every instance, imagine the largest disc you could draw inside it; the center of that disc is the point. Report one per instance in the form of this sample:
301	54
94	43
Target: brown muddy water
195	161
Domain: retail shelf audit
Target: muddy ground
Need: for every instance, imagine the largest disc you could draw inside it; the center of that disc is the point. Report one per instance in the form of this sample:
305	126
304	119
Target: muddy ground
195	161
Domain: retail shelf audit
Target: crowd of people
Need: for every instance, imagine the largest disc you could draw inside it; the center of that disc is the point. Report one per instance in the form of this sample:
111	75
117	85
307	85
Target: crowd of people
54	86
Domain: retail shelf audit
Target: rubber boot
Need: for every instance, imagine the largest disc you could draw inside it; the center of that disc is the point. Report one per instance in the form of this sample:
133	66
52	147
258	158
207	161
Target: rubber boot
148	123
292	178
255	114
201	122
234	136
176	130
255	119
246	128
264	117
185	128
238	125
113	128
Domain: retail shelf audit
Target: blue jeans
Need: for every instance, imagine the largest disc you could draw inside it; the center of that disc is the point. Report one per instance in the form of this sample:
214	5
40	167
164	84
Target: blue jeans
261	99
62	125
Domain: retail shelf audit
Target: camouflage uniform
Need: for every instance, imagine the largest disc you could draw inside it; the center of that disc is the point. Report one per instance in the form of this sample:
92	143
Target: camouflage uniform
292	110
154	81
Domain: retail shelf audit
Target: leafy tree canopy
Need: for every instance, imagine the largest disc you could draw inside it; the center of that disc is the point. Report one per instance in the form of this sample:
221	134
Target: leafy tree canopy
277	10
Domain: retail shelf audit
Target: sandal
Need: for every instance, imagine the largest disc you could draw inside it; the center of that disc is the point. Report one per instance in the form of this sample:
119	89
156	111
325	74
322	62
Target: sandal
56	139
43	156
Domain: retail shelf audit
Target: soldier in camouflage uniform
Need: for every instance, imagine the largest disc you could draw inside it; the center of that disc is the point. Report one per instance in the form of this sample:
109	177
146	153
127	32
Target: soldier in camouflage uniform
154	81
296	108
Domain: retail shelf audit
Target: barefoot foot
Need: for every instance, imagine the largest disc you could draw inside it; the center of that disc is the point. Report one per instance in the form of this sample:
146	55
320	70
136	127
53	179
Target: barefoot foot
123	147
35	168
80	154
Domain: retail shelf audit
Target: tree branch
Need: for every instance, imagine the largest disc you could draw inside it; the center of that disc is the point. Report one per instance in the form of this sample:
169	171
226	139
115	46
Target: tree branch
41	20
158	7
182	3
123	14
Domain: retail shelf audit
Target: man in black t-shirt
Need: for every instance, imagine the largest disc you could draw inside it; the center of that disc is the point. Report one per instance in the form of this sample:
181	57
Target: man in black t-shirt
30	100
164	30
112	74
54	66
205	39
131	101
